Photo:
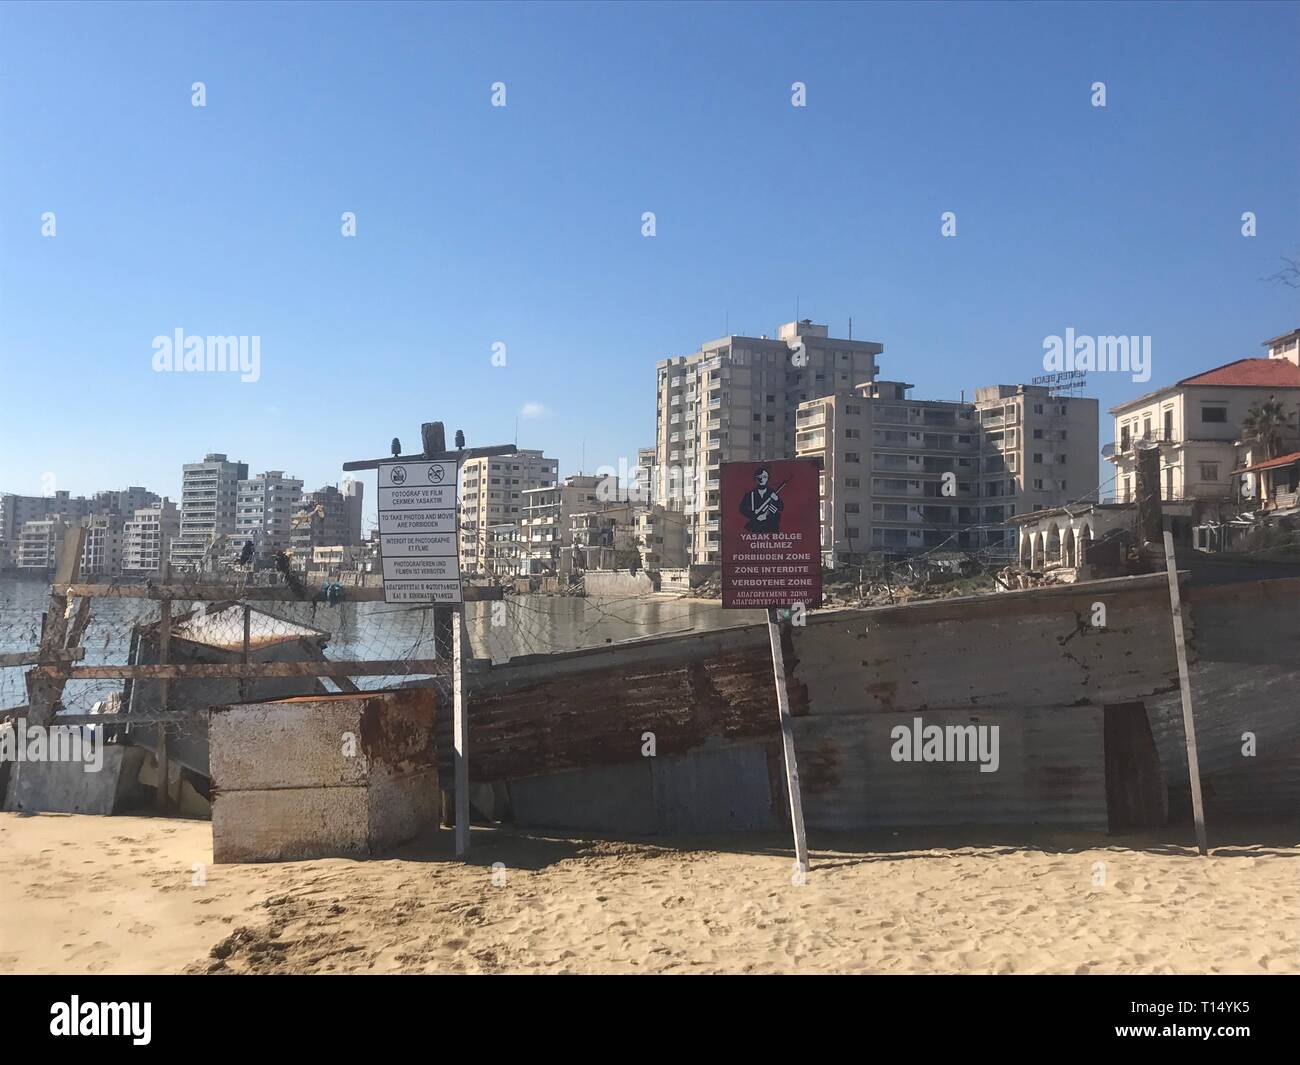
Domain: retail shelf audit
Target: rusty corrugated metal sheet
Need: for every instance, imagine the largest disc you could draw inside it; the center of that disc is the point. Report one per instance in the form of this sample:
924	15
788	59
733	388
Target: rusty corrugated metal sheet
1051	771
1021	649
538	725
1029	661
1258	787
725	787
1246	678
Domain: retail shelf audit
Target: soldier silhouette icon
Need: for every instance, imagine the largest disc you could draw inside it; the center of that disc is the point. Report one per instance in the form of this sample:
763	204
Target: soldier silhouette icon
762	505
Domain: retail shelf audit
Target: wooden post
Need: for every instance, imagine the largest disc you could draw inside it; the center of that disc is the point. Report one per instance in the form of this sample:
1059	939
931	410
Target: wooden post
43	693
787	742
164	692
1185	685
460	731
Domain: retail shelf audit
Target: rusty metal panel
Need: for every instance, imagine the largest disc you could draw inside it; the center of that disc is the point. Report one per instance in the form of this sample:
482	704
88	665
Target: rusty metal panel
724	788
721	788
1051	771
1246	678
605	798
1258	786
1019	649
598	717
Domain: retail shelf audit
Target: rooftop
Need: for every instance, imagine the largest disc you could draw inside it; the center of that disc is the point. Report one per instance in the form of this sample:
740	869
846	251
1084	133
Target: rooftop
1241	373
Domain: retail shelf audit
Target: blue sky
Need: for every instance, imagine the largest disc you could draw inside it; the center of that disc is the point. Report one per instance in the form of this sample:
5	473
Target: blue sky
522	225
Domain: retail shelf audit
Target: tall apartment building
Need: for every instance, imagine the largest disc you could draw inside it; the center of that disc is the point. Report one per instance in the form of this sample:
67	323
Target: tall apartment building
327	517
661	536
735	399
898	474
492	493
39	543
354	492
209	498
17	510
544	527
102	553
1197	423
1037	451
901	475
123	501
264	513
148	536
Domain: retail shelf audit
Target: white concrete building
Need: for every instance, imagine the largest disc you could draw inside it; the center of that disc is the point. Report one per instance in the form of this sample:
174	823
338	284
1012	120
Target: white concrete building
209	495
148	536
492	492
39	543
265	508
102	553
1197	423
543	529
734	400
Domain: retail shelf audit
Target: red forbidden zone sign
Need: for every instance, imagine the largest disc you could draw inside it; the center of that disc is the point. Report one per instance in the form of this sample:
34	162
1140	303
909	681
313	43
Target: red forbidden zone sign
771	534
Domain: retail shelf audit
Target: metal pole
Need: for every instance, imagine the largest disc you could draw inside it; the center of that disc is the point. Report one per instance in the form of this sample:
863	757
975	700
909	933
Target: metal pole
460	729
245	654
787	742
1185	686
164	693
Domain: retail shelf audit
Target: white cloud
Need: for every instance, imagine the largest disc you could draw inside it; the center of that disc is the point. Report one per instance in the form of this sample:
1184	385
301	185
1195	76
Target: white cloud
534	410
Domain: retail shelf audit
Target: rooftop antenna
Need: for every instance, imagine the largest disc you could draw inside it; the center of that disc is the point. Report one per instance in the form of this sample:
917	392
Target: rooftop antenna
850	328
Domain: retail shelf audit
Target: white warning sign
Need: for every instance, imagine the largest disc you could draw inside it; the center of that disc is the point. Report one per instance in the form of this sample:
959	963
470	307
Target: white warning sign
418	534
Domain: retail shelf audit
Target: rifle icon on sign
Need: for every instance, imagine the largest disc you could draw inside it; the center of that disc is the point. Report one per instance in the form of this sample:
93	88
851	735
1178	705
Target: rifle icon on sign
761	505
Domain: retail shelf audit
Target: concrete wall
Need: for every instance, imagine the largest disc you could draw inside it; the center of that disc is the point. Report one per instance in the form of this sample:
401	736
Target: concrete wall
66	787
322	776
618	583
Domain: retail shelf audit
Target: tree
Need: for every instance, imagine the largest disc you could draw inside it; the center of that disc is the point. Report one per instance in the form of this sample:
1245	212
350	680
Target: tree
1266	426
1289	275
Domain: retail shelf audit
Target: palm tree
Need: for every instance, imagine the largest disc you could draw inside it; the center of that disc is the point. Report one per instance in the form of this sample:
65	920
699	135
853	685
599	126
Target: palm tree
1266	426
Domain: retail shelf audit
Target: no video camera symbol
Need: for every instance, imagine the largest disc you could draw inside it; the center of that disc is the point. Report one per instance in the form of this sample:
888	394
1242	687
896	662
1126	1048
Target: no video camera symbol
398	475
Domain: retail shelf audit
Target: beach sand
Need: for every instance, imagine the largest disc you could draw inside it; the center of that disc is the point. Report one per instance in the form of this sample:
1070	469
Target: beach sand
139	894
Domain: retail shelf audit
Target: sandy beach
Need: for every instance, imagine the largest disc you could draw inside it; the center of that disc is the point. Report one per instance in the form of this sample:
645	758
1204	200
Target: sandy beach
140	895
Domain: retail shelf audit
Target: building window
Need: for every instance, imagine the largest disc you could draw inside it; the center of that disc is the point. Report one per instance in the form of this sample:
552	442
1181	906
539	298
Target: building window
1214	413
1209	471
852	456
